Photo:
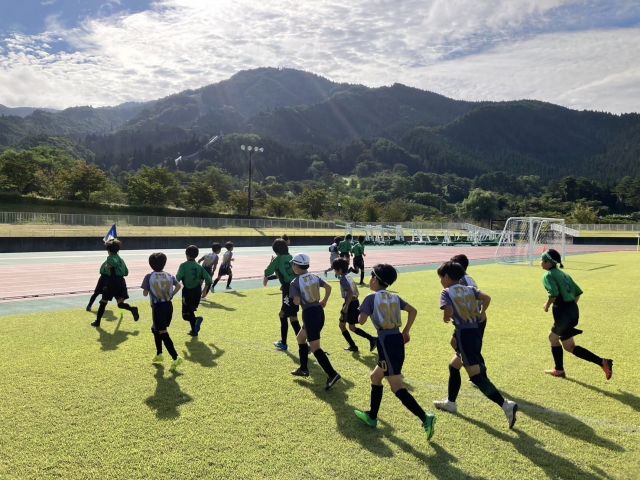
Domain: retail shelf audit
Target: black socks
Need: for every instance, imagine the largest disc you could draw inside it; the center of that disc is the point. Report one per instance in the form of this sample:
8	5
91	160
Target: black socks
488	388
362	333
376	399
557	357
585	354
101	309
347	337
324	362
124	306
295	324
169	344
454	383
408	401
303	349
284	329
229	280
158	340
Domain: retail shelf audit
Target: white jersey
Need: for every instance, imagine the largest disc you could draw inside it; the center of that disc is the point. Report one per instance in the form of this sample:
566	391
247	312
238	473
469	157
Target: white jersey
210	259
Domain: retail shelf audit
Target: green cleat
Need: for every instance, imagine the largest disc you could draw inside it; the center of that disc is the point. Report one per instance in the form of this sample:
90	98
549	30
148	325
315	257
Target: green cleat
430	425
158	359
366	419
175	364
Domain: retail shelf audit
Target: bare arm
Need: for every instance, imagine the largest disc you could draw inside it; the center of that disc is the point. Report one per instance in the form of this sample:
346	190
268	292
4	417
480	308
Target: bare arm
145	293
176	289
362	318
550	301
447	314
296	300
412	317
485	300
327	293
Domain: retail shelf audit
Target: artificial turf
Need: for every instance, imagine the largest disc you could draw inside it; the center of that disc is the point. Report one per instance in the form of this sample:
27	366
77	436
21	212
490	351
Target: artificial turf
84	403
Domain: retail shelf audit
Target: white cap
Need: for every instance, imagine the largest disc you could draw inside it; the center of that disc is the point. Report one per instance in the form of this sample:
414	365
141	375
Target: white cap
301	259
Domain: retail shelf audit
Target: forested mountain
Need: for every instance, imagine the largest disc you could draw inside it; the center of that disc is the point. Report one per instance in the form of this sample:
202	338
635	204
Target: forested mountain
310	124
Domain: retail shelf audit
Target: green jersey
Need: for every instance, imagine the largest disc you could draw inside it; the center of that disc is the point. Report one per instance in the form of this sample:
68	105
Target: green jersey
192	274
281	266
114	265
344	246
560	285
357	249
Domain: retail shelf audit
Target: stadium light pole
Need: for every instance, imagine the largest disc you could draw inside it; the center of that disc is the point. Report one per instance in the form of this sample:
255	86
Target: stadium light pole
250	150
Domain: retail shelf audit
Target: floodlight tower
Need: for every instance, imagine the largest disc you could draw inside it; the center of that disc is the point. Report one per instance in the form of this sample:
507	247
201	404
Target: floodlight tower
250	151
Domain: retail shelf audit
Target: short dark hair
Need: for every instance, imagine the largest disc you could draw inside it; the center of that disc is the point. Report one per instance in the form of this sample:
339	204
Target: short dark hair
113	246
285	237
216	247
361	238
341	265
462	259
450	269
348	237
337	239
553	253
280	246
192	251
228	245
157	261
385	273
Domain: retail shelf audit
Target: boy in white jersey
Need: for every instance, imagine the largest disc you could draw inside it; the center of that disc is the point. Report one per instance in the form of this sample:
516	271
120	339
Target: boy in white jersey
333	254
459	304
209	263
161	286
305	291
349	311
225	267
385	309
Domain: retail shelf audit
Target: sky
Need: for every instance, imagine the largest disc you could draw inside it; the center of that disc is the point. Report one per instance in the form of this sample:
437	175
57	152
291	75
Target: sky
583	54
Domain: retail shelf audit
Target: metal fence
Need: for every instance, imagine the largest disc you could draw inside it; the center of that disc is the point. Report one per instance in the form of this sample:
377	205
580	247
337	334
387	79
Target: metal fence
606	227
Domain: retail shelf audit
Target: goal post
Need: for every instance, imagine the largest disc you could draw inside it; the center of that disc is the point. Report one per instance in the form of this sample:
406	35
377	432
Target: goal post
523	239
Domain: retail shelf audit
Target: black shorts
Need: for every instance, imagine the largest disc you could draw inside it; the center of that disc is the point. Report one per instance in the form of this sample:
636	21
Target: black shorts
161	314
288	308
565	319
114	287
208	269
190	299
224	270
358	262
345	255
351	317
469	342
100	285
313	321
390	351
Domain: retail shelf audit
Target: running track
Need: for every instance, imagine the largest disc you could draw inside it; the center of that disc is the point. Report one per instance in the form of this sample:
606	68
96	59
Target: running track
35	275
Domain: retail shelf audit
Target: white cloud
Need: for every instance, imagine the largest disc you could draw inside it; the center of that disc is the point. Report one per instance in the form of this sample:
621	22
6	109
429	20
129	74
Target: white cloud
461	48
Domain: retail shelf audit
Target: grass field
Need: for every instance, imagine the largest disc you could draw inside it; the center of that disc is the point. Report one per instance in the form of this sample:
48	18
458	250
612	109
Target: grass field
79	403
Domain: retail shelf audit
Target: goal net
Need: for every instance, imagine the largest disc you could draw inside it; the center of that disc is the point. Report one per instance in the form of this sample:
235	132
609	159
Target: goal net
524	239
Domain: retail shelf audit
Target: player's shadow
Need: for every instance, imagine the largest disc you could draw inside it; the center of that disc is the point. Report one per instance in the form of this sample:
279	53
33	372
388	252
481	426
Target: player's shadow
553	465
200	352
217	306
111	341
236	293
623	397
369	361
168	396
564	423
109	316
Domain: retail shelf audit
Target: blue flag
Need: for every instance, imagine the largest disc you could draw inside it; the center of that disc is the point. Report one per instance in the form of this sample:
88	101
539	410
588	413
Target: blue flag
111	234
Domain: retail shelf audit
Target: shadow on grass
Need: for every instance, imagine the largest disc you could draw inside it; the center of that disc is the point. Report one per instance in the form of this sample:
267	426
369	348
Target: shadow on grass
234	292
564	423
168	396
623	397
219	306
369	361
553	465
376	440
199	352
110	341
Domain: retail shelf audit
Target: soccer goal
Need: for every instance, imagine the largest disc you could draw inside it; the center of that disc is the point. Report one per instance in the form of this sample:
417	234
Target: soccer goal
523	239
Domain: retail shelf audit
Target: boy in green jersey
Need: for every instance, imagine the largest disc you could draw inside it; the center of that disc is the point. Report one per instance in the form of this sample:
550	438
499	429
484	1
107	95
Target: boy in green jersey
280	266
192	274
344	248
114	270
358	258
564	294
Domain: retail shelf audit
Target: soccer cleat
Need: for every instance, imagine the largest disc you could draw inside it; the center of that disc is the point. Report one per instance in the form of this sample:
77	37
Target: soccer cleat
510	409
429	425
88	309
607	366
373	343
175	364
362	284
366	419
136	315
298	372
229	288
351	349
95	324
281	346
332	381
158	358
192	333
446	405
199	321
556	373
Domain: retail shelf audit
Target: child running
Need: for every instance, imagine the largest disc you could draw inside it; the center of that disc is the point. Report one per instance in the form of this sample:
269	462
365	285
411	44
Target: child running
280	266
459	304
225	267
209	263
385	309
333	254
192	274
358	258
349	311
564	294
344	247
305	291
115	286
161	287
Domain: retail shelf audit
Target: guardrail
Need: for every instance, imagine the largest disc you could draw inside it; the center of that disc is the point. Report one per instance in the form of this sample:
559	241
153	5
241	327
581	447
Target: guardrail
606	227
